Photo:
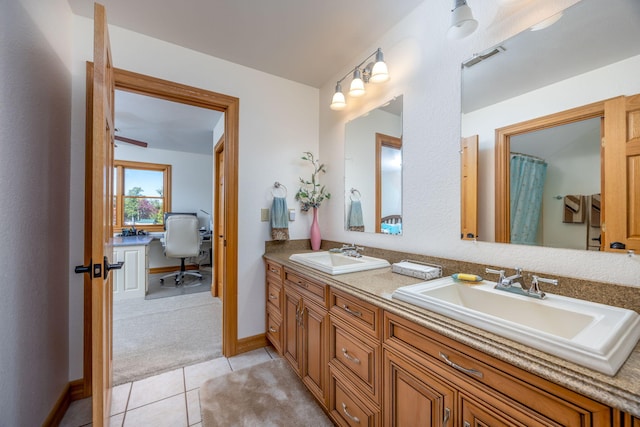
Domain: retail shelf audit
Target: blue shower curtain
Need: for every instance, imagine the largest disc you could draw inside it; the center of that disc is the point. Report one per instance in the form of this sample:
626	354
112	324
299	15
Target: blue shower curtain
527	183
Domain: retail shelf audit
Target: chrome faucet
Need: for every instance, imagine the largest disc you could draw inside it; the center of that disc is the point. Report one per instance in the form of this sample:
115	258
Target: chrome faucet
352	250
510	283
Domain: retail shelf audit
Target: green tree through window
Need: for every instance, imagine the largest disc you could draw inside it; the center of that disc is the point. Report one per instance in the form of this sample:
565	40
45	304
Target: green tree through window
142	194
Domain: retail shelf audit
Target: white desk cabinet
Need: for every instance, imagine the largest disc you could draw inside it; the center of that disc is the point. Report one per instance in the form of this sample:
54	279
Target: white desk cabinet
131	280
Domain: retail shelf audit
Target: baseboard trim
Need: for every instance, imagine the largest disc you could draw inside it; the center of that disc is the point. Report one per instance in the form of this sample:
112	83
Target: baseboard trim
77	390
170	269
251	343
59	409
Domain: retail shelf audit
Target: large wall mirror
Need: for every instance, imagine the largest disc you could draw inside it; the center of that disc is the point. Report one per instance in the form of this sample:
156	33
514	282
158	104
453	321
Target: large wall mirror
373	170
536	103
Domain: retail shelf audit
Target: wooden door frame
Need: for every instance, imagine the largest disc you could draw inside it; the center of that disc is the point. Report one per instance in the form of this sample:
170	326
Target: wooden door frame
176	92
218	150
503	148
382	140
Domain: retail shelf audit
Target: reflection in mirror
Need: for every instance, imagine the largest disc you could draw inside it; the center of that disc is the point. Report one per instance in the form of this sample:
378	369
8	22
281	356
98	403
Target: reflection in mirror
554	210
373	170
540	95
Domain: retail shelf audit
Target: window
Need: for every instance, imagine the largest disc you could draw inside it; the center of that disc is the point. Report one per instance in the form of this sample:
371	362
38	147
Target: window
142	194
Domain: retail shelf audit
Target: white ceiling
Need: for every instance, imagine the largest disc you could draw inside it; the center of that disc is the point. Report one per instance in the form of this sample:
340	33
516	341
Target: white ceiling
300	40
309	42
590	35
165	125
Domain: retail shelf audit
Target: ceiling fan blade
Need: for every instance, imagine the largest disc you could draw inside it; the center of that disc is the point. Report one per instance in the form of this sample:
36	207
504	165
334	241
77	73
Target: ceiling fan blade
131	141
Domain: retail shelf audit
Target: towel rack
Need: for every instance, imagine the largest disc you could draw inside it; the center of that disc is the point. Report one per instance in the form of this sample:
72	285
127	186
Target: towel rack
277	186
353	193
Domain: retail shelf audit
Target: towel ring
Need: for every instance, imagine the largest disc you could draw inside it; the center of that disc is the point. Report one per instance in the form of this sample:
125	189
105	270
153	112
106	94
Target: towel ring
277	186
353	193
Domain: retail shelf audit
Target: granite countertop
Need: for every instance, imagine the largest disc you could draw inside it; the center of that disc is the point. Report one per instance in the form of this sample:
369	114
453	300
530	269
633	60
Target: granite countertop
132	240
621	391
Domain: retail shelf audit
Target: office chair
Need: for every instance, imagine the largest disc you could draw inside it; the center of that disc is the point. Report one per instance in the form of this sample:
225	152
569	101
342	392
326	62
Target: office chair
181	240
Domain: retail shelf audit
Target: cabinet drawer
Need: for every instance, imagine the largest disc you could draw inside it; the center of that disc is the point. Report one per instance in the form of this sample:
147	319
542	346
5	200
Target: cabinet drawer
317	291
275	270
274	295
355	311
469	368
274	329
357	356
348	407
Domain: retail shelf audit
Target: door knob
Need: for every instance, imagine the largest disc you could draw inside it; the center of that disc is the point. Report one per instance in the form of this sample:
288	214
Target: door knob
83	268
108	267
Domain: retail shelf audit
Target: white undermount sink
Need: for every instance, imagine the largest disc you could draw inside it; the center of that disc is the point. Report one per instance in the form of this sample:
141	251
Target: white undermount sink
338	263
593	335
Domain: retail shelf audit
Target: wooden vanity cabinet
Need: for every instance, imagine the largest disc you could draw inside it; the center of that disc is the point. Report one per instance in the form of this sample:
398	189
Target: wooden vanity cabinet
354	359
487	391
274	282
370	367
414	396
305	330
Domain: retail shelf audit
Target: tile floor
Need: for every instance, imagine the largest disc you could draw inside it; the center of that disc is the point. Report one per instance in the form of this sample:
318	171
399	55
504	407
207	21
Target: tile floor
170	399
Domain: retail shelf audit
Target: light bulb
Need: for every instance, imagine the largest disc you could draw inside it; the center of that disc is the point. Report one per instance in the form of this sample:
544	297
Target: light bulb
357	85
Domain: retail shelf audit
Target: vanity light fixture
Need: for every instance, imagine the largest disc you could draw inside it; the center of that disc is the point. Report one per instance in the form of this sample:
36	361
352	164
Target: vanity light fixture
374	72
462	21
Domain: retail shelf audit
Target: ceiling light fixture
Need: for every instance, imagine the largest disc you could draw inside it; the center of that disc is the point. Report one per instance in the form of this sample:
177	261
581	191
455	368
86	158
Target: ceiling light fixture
462	21
374	72
547	22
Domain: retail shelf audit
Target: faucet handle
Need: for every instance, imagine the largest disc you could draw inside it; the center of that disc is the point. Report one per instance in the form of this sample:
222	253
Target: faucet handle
492	271
535	285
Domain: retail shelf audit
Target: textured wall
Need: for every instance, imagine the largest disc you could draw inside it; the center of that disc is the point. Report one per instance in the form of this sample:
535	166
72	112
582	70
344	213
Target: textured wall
35	103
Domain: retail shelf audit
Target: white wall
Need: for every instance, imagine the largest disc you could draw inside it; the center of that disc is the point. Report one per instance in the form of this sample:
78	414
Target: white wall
278	121
425	67
35	107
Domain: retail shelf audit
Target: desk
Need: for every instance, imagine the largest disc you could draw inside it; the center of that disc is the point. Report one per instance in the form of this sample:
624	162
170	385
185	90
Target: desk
131	281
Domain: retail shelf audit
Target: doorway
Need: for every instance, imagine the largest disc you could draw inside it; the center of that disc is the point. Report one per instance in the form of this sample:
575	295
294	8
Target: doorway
163	89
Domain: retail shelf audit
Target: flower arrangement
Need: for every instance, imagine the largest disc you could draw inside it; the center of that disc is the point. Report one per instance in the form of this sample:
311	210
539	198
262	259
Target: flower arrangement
311	194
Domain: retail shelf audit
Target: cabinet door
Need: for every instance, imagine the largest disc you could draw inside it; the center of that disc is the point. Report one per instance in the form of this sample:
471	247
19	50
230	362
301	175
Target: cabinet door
291	327
474	415
415	397
315	337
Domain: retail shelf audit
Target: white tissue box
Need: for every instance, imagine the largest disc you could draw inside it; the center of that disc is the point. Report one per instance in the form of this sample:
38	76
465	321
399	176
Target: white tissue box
417	269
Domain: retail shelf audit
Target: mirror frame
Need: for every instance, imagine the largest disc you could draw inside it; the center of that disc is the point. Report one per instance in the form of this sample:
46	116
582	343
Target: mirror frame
503	150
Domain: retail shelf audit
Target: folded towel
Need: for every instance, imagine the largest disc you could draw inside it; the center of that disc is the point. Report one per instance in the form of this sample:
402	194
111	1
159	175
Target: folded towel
279	219
355	221
574	211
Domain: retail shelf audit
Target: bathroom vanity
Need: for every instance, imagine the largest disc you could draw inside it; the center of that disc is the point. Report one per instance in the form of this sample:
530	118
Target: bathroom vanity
373	360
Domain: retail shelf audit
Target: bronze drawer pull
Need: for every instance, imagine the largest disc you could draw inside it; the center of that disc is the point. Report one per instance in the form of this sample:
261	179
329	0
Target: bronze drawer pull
355	313
272	296
344	409
460	368
272	329
346	354
273	270
447	415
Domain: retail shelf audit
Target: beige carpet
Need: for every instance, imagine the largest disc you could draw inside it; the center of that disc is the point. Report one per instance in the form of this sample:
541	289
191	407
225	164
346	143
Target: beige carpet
155	336
269	394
